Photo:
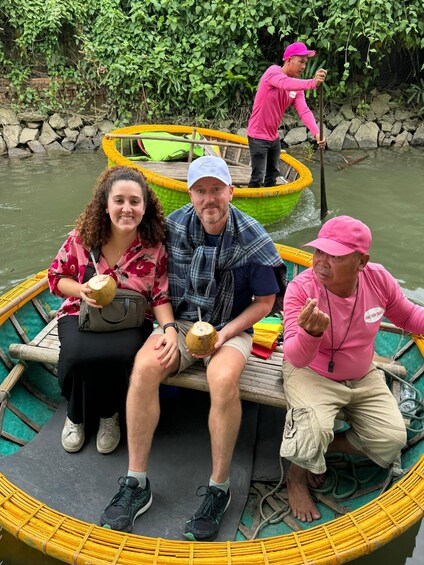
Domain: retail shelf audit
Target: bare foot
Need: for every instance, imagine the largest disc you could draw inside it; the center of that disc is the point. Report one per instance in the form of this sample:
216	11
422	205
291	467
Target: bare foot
315	480
300	500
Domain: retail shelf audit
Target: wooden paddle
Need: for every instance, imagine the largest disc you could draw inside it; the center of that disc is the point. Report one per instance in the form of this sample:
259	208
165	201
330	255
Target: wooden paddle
324	208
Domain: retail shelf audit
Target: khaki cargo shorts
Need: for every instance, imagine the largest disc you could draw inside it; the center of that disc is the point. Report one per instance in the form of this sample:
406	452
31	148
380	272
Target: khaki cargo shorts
376	424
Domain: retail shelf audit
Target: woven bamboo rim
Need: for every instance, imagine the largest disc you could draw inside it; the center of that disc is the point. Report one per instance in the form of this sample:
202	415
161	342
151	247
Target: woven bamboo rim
338	541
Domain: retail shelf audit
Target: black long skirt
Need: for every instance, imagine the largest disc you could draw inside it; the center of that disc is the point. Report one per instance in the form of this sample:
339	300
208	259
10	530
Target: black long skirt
94	368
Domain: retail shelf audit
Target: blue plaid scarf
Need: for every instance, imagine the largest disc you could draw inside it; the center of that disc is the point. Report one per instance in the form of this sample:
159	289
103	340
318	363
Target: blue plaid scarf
192	265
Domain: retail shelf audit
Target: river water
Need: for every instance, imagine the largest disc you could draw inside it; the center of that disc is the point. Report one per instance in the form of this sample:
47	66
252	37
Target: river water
41	196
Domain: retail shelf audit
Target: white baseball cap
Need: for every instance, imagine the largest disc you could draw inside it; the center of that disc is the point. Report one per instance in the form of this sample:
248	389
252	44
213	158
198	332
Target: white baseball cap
208	166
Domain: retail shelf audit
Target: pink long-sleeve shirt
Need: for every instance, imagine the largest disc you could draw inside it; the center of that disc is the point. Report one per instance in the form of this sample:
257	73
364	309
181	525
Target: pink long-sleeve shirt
379	295
140	268
276	92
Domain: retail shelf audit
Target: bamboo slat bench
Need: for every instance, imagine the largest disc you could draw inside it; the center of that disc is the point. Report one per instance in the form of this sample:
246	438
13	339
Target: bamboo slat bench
260	382
240	174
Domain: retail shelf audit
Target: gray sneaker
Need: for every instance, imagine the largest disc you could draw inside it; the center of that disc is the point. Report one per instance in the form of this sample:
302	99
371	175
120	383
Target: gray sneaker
109	434
128	504
73	436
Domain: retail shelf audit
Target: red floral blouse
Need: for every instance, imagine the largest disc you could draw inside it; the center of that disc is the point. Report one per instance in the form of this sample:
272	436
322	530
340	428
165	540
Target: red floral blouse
140	268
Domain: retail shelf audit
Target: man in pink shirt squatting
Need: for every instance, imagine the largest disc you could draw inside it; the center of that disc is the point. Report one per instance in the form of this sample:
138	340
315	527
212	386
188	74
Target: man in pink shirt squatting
332	313
278	89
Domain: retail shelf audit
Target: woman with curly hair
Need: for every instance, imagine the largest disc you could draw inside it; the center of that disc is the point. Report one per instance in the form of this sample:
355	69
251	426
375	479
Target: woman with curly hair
125	223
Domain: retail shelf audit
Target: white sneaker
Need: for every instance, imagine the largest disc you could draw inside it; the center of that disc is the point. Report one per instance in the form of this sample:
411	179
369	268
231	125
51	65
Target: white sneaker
73	436
109	434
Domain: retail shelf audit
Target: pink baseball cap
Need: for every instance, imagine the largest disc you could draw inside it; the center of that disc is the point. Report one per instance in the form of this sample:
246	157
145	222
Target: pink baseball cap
298	49
342	235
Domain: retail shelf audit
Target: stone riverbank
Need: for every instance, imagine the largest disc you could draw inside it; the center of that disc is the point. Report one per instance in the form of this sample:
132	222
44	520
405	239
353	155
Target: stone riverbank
382	123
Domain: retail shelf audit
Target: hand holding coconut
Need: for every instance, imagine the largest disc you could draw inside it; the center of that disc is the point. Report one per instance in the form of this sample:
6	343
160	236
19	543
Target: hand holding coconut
201	338
101	288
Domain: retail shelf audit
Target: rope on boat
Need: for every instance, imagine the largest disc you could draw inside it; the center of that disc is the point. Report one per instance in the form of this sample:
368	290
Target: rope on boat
276	516
411	405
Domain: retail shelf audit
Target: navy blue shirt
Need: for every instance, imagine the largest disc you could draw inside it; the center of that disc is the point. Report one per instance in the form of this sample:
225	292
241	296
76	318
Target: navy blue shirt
249	280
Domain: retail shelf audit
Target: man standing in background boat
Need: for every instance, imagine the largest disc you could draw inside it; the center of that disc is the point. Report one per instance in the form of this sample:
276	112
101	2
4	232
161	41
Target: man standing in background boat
332	313
278	89
223	264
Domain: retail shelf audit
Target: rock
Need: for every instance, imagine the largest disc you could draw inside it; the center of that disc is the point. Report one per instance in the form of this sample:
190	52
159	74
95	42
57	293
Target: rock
354	125
349	142
410	125
226	124
3	147
71	134
336	138
385	97
57	122
367	136
34	125
48	135
11	135
347	112
75	122
418	137
28	134
396	129
68	144
295	136
32	117
83	143
89	131
8	117
17	152
379	107
403	139
55	147
105	126
334	122
386	126
97	140
241	131
387	141
36	147
370	116
401	114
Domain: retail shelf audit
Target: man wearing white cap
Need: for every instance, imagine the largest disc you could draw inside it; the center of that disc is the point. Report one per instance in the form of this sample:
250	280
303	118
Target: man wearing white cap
225	265
279	88
332	313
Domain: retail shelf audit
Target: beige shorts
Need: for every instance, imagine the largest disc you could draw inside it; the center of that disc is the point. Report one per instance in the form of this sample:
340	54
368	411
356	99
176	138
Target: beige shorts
376	424
242	342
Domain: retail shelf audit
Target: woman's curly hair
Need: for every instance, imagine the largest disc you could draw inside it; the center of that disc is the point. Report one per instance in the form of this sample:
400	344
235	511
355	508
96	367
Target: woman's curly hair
94	225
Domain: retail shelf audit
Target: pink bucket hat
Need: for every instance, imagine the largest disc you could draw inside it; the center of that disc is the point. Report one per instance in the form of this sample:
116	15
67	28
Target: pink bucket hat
342	235
298	49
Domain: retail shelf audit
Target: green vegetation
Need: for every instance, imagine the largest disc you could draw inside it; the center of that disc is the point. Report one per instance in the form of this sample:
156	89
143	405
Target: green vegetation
158	58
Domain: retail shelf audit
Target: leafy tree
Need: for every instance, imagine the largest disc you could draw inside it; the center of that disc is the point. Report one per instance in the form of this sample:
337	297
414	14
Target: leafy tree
158	58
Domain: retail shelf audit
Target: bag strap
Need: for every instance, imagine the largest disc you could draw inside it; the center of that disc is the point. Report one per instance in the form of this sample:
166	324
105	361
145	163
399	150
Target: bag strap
90	270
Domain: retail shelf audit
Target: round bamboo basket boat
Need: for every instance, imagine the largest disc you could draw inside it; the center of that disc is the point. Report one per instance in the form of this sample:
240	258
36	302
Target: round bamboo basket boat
337	541
267	205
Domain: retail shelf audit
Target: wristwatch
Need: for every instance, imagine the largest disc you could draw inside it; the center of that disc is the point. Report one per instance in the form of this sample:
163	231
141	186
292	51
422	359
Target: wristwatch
171	325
